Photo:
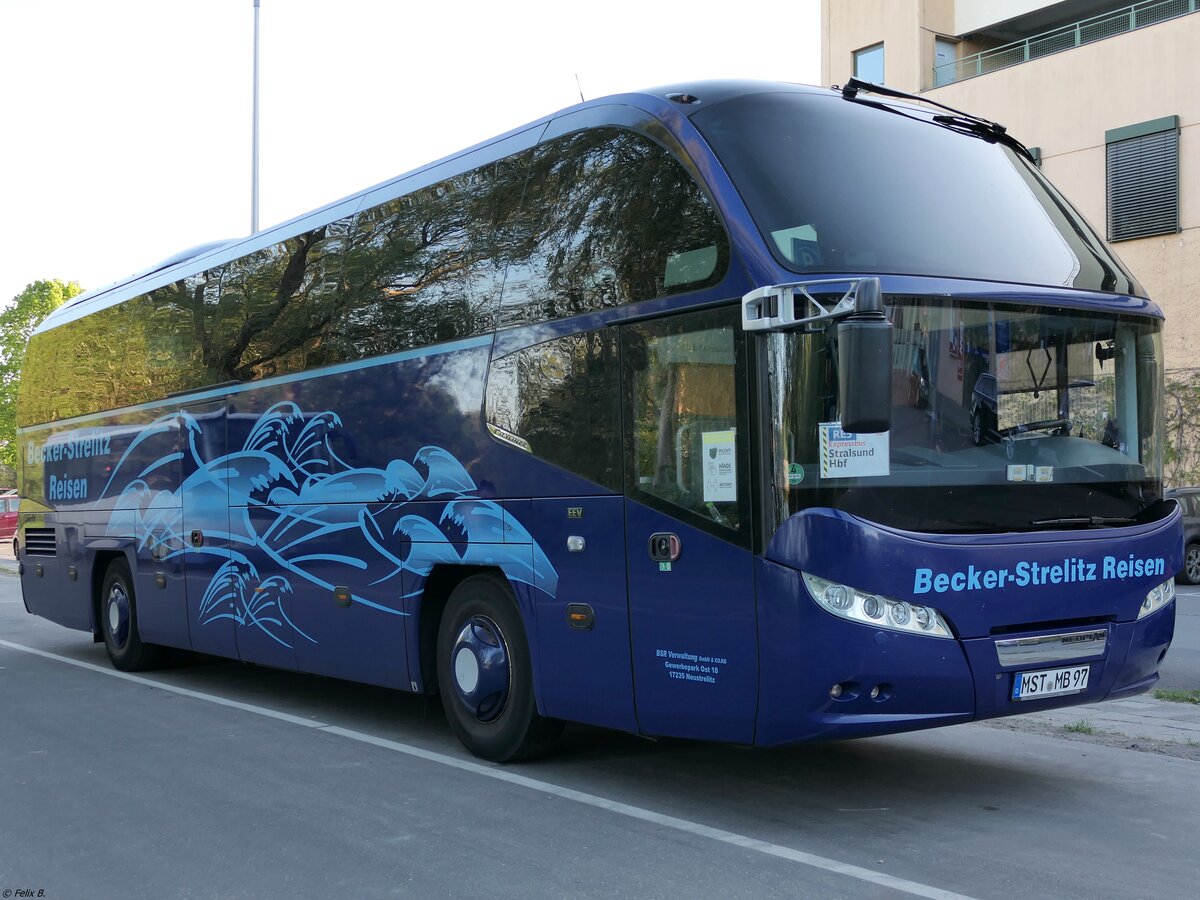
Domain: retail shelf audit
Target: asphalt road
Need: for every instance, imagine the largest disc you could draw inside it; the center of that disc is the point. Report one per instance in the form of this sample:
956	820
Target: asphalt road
216	779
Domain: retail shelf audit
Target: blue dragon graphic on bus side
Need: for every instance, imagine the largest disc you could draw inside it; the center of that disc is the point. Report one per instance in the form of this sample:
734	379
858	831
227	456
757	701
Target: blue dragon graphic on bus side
291	497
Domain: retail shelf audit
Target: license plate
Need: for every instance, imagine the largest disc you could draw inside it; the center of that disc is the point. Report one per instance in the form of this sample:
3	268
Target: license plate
1050	682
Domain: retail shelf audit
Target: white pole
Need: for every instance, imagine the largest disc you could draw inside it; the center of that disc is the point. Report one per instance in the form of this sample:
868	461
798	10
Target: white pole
254	136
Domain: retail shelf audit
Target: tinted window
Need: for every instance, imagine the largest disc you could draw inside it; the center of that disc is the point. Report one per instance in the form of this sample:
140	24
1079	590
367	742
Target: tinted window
83	366
179	345
423	268
261	315
838	186
609	217
37	380
273	307
561	398
594	219
688	437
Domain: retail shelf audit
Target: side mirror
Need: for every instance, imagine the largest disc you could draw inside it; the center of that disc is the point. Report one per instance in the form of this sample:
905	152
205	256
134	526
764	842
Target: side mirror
865	363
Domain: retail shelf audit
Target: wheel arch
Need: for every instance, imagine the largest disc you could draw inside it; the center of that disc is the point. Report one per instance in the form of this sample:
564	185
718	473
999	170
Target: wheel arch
439	585
101	560
484	660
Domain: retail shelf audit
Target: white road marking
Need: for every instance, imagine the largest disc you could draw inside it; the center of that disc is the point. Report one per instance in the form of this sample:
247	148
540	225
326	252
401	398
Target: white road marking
499	773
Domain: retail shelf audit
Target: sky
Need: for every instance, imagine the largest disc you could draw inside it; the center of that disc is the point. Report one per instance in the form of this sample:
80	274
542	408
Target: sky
125	125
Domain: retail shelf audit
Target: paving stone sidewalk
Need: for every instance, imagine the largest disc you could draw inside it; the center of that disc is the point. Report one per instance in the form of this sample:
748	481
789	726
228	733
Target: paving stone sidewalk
1133	717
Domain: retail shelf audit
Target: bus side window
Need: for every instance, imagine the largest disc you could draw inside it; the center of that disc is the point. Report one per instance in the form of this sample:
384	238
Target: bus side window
561	399
423	268
609	217
96	366
39	380
689	447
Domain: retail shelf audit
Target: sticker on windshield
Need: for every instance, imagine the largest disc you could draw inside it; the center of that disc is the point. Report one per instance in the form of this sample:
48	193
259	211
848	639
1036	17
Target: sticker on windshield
852	455
1040	474
720	473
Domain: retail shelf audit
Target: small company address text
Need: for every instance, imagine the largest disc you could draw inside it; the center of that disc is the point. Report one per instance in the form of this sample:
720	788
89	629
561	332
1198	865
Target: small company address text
691	666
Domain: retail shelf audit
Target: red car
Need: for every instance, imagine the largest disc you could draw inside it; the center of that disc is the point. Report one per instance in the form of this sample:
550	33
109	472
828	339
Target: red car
9	504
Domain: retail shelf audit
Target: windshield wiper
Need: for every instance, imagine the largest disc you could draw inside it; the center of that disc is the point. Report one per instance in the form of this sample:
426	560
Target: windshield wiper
1026	427
960	121
1090	521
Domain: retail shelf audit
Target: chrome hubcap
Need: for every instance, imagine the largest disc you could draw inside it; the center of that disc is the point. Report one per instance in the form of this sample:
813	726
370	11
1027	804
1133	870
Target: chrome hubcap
118	615
466	670
481	668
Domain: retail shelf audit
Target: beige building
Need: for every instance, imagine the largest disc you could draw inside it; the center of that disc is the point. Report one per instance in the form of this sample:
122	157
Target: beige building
1107	93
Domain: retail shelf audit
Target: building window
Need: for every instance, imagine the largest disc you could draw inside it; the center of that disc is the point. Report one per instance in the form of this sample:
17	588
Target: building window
868	64
1142	176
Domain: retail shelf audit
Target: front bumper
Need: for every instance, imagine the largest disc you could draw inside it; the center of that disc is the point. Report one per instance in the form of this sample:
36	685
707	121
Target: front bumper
891	682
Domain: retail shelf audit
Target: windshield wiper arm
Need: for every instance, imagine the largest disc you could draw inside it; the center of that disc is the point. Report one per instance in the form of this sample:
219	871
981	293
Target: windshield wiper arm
1090	521
1026	427
984	129
958	121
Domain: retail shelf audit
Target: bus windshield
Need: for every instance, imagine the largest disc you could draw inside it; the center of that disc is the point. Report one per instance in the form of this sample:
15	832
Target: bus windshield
1004	418
841	187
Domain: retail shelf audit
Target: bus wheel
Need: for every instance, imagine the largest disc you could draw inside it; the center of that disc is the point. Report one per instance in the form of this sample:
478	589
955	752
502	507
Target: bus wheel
119	624
485	677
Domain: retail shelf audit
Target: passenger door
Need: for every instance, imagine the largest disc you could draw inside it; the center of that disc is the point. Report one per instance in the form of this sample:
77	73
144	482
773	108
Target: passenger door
560	399
688	526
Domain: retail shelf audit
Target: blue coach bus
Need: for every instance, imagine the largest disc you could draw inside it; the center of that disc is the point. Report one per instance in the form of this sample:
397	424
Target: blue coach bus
745	412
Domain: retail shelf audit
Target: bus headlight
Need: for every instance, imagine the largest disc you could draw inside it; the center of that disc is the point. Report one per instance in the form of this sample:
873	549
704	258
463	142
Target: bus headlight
872	609
1157	598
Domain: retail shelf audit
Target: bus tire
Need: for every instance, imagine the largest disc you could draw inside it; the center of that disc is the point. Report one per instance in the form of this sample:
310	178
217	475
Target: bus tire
485	676
119	624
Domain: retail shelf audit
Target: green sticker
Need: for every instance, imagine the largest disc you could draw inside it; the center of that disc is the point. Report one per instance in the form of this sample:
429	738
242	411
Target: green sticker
664	567
795	474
